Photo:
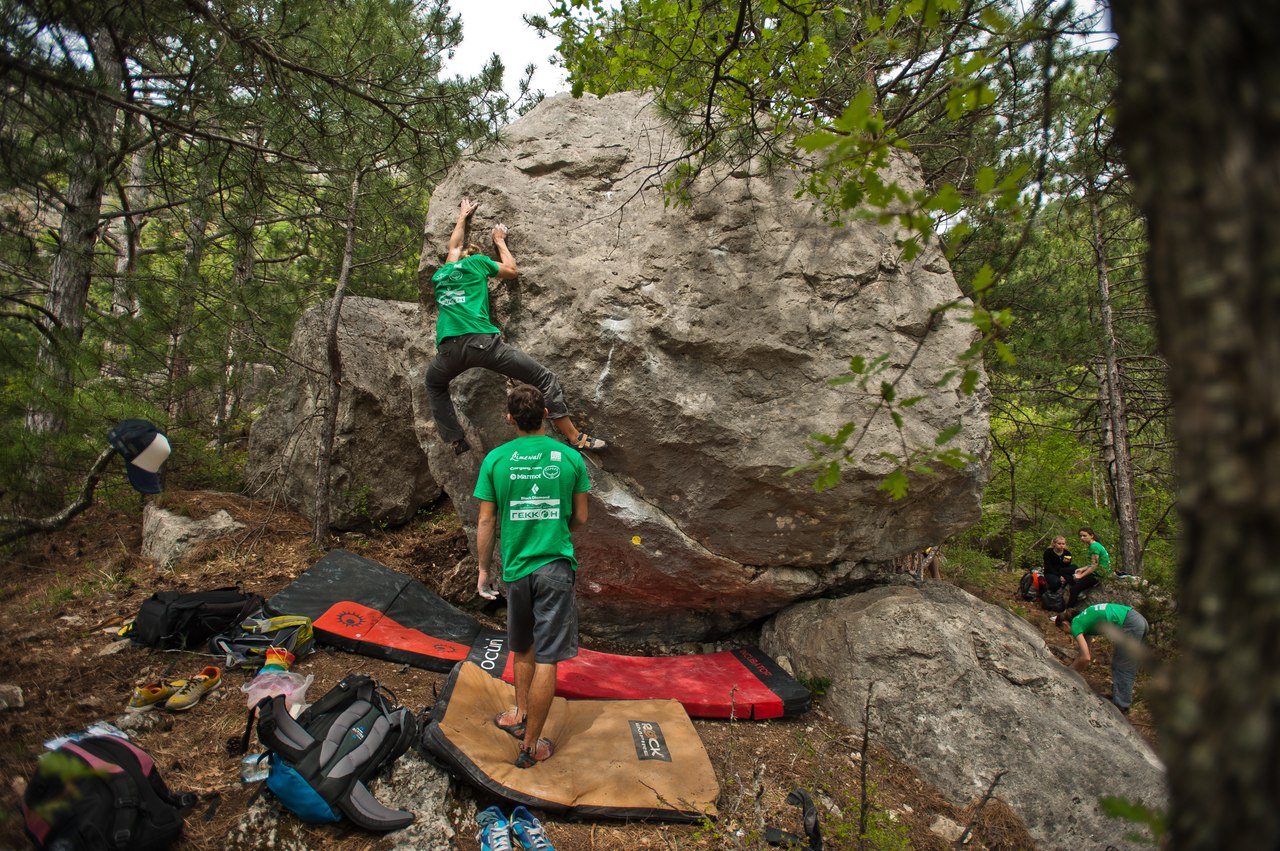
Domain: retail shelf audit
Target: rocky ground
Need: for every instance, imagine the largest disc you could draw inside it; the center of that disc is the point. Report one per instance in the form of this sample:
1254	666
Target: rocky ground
64	594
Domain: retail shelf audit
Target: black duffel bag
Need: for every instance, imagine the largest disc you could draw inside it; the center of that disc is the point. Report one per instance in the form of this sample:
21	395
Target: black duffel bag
173	620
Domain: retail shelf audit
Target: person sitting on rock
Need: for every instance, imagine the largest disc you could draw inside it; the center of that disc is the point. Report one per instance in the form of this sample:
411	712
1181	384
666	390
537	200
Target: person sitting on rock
466	338
1129	628
1058	568
1092	574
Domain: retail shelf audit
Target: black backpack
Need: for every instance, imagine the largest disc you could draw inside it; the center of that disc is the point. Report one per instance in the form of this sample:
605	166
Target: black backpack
322	762
173	620
101	793
1028	587
1054	601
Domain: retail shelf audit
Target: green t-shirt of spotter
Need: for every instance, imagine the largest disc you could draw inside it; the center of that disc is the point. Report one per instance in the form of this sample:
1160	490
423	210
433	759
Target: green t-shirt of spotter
532	480
462	294
1086	623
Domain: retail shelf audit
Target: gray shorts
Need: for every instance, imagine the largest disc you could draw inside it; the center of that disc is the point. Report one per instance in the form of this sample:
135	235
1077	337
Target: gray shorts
542	614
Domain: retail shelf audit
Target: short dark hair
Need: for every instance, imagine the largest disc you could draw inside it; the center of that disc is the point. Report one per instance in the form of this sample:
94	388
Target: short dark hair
1065	619
1092	534
526	406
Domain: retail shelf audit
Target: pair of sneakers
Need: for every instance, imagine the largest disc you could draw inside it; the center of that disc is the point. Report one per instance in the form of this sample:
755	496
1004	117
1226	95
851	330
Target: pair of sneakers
175	695
497	831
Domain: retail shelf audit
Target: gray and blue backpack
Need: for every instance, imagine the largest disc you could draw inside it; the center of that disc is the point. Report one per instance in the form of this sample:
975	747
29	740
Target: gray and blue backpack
321	763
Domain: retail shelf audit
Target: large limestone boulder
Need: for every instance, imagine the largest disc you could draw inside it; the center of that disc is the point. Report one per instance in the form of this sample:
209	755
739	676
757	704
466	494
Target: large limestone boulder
699	341
379	472
963	690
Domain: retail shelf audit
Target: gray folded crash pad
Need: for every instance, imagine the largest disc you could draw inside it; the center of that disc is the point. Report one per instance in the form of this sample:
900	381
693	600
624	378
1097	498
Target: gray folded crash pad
639	759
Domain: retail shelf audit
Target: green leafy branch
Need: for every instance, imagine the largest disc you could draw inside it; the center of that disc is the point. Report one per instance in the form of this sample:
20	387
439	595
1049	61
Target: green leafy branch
69	770
831	452
842	97
1135	812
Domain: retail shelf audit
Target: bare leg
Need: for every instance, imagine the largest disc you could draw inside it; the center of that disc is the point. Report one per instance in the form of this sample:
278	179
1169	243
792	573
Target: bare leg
541	692
567	428
523	669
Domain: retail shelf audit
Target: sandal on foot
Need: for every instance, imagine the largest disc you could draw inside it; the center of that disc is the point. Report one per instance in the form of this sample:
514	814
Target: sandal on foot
541	752
515	728
587	443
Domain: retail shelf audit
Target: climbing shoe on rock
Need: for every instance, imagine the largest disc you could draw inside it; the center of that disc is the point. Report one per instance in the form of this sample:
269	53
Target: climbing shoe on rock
495	830
587	443
194	689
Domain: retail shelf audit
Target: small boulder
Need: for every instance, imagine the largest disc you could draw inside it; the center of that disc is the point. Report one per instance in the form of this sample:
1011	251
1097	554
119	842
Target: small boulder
11	697
167	537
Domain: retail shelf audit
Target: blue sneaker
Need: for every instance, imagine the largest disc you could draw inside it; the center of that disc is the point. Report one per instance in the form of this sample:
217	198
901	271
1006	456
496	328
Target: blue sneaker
495	830
528	831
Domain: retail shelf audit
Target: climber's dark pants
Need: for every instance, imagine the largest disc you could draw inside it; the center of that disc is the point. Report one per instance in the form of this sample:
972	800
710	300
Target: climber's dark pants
456	355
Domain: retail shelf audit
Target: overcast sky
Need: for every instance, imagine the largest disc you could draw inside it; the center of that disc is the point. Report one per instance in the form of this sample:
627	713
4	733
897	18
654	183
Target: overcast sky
497	26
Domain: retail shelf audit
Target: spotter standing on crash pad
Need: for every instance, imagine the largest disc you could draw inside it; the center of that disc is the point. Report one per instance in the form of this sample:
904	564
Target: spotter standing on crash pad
467	338
534	490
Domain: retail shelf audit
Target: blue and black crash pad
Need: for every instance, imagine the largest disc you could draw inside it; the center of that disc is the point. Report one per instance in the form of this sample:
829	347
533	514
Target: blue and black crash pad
364	607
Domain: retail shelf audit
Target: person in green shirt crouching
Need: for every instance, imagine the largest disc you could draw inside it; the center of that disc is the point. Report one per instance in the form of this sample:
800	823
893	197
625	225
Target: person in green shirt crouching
1128	628
533	491
466	337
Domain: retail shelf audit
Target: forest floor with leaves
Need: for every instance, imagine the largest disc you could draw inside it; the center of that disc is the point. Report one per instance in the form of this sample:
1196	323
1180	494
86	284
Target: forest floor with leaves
64	594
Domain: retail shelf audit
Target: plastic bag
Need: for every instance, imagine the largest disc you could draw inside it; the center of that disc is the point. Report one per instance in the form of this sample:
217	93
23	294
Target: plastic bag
289	684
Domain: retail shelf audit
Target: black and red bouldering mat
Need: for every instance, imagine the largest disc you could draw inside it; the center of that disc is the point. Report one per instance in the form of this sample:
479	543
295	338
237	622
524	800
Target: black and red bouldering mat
365	607
635	759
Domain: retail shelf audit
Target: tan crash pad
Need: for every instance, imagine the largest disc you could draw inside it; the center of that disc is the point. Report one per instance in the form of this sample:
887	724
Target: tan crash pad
614	758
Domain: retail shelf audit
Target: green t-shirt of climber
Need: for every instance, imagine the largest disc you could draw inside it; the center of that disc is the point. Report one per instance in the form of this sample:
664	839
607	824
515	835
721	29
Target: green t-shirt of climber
1086	623
531	480
462	294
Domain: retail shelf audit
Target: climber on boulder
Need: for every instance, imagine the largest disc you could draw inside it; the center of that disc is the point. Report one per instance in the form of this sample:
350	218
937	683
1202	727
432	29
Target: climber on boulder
466	337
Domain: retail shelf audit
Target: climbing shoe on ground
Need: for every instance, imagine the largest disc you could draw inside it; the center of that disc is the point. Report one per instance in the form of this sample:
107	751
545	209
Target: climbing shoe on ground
148	697
194	689
528	831
495	830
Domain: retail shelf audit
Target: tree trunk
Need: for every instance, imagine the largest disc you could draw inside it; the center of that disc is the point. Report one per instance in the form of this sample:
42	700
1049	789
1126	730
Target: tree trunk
1198	121
324	457
241	274
177	401
244	223
129	232
90	160
1116	447
1012	554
